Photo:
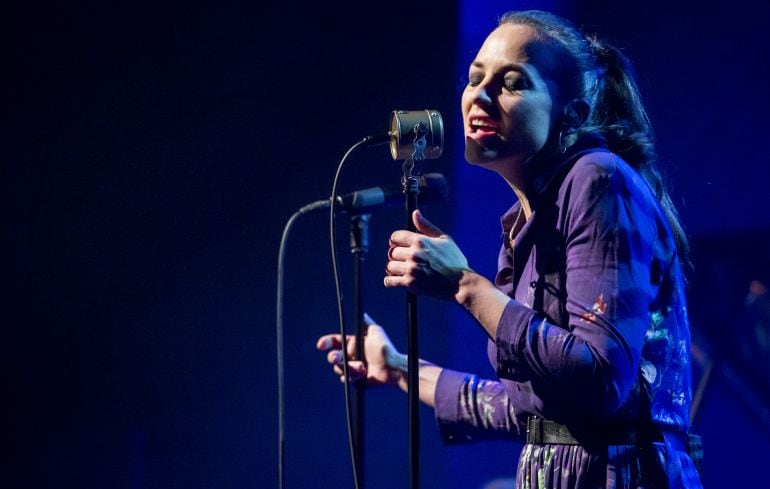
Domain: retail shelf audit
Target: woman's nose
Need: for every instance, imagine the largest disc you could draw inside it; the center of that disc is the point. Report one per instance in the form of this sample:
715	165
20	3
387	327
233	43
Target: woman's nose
481	95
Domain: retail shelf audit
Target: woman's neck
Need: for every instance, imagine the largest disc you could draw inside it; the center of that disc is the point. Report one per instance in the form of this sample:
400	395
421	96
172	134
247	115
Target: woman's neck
513	173
524	201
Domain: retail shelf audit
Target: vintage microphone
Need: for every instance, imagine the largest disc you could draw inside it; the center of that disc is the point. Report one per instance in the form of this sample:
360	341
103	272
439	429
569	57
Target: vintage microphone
401	133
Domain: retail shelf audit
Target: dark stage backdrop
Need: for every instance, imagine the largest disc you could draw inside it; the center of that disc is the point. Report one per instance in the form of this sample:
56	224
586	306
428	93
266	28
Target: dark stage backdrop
152	153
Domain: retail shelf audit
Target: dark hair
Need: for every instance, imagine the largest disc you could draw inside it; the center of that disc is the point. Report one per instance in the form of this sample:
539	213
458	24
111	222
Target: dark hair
602	76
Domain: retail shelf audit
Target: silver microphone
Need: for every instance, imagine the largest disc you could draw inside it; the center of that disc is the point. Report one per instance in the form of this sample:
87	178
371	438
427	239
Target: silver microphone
415	134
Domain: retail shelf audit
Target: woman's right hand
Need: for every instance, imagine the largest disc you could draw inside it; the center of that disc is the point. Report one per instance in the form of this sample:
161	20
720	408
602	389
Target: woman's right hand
385	364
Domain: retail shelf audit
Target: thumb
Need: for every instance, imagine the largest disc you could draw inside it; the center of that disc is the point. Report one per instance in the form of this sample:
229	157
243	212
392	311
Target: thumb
424	226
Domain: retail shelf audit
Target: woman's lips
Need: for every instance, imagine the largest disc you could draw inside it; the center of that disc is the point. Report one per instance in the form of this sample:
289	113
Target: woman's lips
481	128
480	135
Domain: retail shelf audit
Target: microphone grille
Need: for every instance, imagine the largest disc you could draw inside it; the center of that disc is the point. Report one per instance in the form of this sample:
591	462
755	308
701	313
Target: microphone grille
416	134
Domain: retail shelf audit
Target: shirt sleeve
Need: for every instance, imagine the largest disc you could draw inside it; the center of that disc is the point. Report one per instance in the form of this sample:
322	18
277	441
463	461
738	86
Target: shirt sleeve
470	409
588	366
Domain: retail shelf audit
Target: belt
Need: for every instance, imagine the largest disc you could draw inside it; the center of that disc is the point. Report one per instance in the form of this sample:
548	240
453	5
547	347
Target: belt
541	431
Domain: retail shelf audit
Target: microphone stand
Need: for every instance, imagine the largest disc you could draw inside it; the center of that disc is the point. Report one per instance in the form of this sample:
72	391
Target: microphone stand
359	246
411	189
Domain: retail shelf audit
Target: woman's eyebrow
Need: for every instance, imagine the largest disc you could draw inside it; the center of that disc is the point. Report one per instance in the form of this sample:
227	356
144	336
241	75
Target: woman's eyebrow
506	67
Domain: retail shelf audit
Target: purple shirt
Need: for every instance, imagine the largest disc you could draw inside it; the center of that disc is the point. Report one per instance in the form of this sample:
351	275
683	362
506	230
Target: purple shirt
596	333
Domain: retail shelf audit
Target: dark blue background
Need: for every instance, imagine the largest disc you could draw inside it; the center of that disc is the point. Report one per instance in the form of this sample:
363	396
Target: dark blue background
152	153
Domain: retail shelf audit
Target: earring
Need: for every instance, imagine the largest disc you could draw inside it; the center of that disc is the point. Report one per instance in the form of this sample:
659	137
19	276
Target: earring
562	145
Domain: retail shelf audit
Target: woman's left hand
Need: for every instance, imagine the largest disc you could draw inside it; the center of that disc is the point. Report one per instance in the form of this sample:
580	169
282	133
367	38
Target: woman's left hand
427	262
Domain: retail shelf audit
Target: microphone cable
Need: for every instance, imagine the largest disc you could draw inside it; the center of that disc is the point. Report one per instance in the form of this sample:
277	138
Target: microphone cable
332	204
340	308
279	334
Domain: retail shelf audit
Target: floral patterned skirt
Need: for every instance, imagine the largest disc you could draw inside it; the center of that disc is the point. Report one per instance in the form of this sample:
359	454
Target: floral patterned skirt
616	467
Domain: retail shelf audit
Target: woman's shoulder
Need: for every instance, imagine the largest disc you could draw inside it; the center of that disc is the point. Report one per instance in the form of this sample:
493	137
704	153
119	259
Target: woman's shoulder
597	162
601	169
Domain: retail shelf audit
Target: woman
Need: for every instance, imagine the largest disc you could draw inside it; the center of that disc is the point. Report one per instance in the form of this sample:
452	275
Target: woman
586	317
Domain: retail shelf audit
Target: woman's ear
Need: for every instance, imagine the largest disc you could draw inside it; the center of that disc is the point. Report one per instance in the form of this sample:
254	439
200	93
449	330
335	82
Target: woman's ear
575	114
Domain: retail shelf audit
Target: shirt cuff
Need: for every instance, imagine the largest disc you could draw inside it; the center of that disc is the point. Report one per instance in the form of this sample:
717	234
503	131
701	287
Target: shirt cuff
511	338
447	410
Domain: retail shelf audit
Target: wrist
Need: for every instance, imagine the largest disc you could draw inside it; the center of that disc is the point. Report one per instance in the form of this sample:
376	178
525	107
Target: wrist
482	299
396	364
395	360
468	288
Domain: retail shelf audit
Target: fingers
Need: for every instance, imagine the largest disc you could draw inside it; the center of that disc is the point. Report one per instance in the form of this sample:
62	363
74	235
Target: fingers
369	321
334	357
397	268
375	330
424	226
402	254
404	266
334	341
325	342
356	370
396	271
392	281
403	237
328	341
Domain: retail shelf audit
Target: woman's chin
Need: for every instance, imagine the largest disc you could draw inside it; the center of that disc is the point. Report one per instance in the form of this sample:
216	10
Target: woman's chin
480	154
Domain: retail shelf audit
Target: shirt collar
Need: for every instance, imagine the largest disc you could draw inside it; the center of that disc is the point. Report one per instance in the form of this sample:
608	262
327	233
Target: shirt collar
545	173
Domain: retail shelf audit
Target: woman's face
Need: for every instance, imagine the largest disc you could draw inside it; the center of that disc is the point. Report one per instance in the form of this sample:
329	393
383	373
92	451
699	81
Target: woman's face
508	106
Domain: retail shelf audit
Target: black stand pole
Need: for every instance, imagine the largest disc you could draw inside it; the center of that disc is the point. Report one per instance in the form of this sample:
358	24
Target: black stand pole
411	189
359	246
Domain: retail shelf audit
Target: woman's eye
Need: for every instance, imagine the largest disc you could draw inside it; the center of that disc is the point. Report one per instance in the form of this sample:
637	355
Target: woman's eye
475	80
516	84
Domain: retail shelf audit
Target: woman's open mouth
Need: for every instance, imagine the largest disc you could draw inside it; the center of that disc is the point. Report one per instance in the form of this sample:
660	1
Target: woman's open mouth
481	128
